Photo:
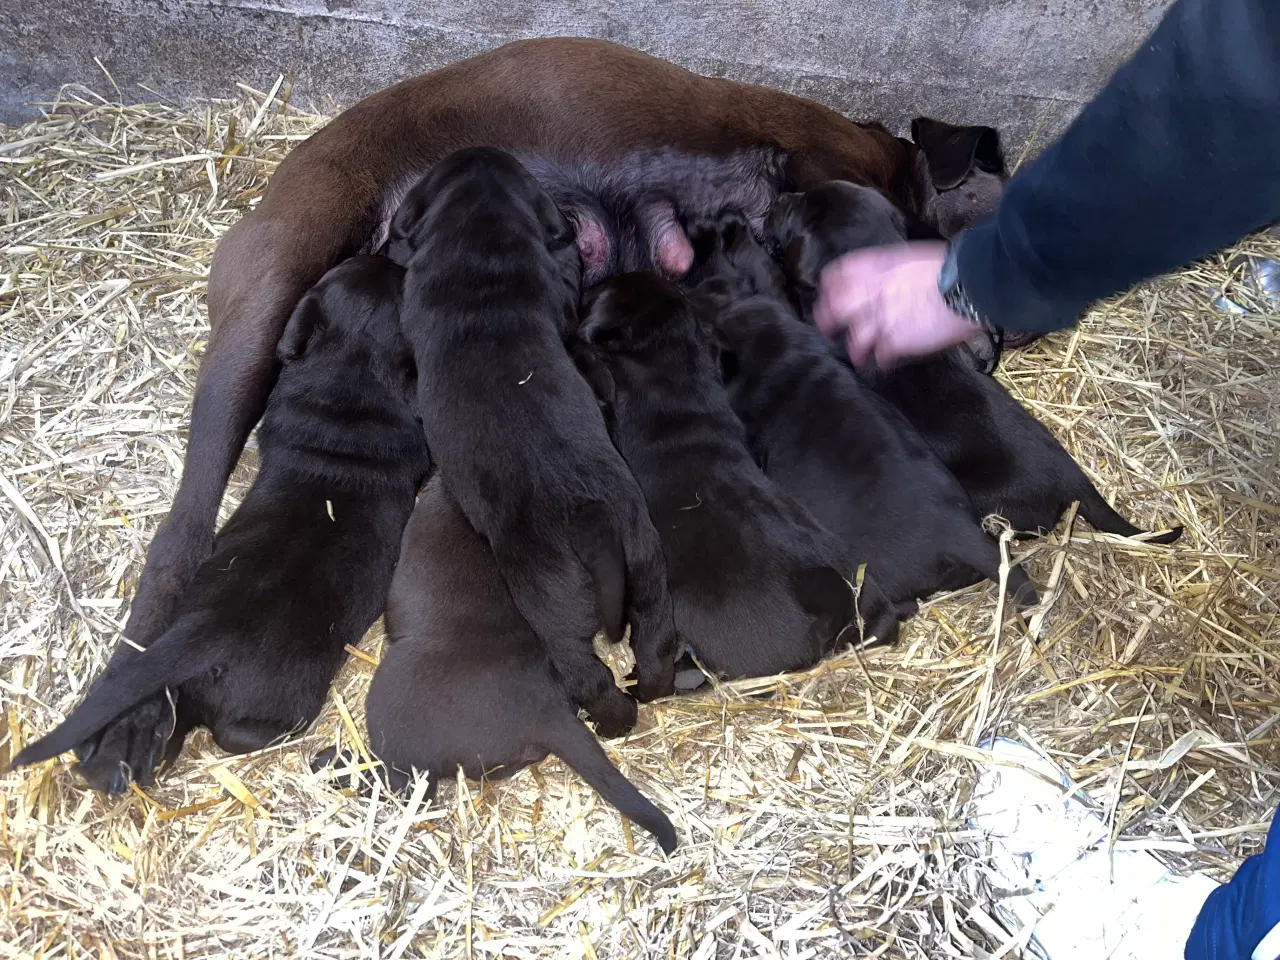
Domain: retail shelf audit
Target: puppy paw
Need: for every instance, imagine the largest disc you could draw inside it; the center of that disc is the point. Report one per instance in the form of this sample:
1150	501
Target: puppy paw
131	747
342	774
655	682
689	675
614	716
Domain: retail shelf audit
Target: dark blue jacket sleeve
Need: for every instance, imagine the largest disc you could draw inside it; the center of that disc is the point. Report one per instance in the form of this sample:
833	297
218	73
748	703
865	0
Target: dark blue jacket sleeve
1177	157
1240	915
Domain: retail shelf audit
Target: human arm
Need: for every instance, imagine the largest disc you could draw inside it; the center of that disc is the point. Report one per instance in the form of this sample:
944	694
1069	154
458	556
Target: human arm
1175	158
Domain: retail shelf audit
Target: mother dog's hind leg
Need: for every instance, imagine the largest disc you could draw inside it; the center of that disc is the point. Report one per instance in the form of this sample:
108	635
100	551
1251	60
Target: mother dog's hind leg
252	290
251	293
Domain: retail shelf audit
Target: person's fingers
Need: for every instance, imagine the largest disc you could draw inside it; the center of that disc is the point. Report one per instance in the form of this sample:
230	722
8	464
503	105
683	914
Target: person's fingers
884	302
850	283
886	356
843	290
822	318
860	340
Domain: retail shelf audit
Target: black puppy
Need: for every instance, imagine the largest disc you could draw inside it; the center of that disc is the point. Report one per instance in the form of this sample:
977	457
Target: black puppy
491	292
1007	461
302	567
831	442
465	682
759	587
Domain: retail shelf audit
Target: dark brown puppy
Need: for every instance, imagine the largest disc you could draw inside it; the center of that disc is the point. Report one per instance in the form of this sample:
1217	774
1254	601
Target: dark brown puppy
302	567
813	228
572	101
1005	459
465	682
490	294
828	440
759	587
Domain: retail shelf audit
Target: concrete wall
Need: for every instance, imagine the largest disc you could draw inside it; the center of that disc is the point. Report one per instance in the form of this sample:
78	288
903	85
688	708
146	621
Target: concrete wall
1022	65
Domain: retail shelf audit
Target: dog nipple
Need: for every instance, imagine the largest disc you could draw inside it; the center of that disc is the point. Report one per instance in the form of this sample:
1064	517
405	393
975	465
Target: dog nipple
593	247
674	251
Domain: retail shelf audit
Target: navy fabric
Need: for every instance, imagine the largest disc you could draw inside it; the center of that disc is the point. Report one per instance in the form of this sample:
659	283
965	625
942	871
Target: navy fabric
1175	158
1239	914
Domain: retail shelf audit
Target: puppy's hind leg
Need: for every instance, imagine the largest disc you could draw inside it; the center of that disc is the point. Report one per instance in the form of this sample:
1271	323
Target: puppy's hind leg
254	281
133	746
551	589
599	548
182	653
654	640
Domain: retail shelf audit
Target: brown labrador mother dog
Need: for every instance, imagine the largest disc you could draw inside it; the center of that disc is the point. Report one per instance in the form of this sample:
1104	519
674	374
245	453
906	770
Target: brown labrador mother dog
571	101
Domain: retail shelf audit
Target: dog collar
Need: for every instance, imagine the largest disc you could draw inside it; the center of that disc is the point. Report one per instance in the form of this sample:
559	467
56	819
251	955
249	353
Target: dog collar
954	296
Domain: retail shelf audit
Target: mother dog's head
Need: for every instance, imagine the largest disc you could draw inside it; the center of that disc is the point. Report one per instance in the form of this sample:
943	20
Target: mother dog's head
958	174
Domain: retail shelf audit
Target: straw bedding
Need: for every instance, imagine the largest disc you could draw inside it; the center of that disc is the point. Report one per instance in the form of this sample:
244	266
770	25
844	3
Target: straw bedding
820	814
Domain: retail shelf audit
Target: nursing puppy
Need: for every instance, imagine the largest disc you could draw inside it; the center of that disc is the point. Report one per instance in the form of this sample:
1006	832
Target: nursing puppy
844	453
1007	461
465	682
302	567
491	292
759	587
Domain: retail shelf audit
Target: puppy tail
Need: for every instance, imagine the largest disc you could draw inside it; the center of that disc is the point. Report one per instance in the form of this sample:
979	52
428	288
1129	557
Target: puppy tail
598	545
177	656
1102	516
573	743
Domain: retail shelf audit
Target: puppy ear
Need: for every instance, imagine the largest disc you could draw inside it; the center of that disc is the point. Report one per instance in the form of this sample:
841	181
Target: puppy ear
601	323
405	223
306	319
952	153
560	229
801	263
594	371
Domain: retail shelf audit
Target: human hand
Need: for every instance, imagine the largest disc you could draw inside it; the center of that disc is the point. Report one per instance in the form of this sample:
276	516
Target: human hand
885	303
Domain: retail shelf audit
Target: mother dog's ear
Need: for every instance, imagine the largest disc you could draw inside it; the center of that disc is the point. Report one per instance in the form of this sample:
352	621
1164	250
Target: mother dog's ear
953	153
306	319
